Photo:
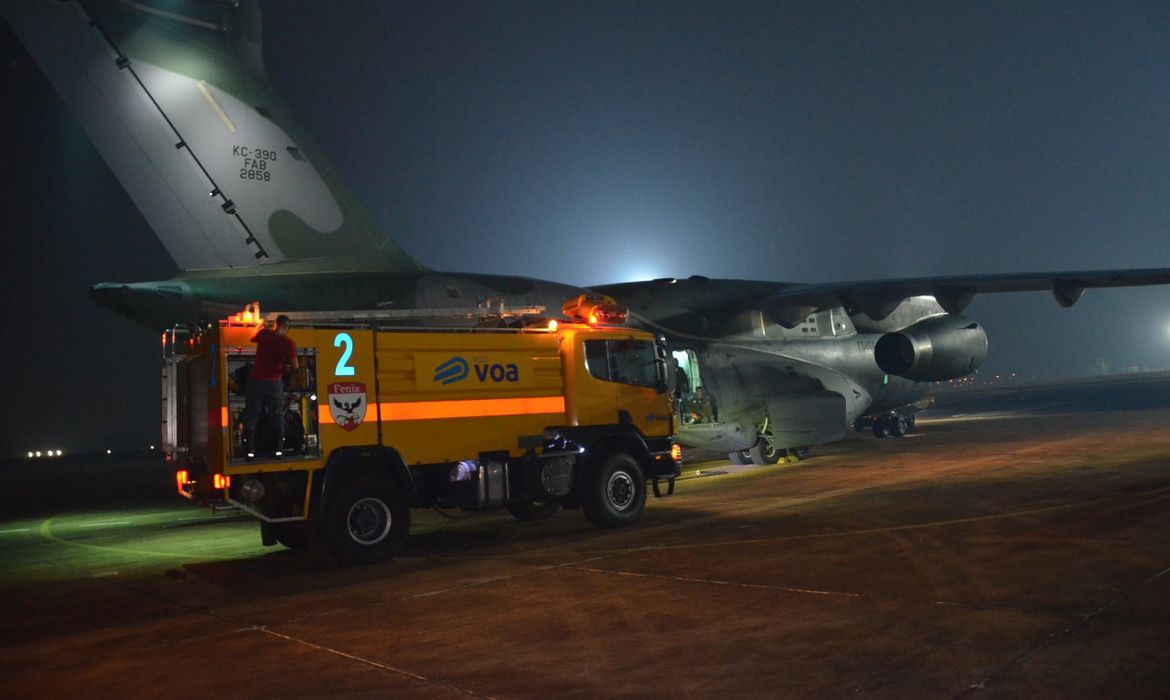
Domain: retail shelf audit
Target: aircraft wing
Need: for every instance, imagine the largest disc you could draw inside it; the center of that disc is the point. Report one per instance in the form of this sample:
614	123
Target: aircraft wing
685	303
878	298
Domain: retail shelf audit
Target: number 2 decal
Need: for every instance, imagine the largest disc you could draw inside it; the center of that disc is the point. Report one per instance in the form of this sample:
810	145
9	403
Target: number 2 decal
343	369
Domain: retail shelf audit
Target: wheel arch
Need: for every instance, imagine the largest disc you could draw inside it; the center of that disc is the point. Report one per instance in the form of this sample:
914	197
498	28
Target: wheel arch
610	442
348	463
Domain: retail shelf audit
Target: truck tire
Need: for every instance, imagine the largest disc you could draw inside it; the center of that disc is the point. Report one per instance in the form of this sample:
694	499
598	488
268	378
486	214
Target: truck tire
614	492
526	511
367	521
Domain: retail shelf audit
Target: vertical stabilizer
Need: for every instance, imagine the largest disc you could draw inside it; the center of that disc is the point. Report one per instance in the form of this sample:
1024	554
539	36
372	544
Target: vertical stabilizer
175	97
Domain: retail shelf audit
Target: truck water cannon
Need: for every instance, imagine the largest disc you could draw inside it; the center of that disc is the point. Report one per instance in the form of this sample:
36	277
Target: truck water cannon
595	310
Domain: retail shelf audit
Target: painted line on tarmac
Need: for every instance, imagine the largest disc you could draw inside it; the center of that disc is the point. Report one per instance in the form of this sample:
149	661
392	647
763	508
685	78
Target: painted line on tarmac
1071	629
918	526
243	626
1161	491
719	582
13	532
375	664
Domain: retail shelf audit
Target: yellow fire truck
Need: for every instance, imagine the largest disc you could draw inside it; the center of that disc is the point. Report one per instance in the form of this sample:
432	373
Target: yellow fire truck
519	413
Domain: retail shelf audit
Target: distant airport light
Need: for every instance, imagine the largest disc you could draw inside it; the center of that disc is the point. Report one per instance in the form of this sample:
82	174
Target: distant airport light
313	397
152	447
109	452
30	455
552	325
38	453
58	453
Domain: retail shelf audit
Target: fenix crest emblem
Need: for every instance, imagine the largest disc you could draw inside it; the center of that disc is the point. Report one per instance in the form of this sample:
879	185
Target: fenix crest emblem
452	371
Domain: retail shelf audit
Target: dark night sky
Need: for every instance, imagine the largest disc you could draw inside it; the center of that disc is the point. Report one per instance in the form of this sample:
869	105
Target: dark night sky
802	141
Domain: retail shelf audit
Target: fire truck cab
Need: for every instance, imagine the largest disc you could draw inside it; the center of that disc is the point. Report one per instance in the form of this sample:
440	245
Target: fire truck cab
519	413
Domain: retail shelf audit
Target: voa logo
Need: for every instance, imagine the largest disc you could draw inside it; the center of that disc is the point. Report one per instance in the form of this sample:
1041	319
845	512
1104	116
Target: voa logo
497	372
457	369
451	371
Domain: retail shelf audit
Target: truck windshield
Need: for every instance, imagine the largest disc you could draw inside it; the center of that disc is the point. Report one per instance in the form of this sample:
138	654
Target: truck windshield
633	362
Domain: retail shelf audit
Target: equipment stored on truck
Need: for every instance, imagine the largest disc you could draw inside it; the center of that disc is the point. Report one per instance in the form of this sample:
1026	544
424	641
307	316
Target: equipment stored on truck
503	410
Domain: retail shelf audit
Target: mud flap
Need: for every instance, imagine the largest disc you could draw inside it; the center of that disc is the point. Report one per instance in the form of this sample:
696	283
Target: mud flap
267	534
669	487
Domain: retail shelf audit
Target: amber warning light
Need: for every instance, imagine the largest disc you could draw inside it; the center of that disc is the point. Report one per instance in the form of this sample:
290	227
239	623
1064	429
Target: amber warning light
594	310
250	316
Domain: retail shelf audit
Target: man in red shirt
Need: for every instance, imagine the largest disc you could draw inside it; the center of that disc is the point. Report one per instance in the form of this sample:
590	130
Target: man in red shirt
265	392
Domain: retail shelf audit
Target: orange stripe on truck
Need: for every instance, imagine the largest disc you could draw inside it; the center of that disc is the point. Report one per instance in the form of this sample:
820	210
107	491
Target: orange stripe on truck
469	408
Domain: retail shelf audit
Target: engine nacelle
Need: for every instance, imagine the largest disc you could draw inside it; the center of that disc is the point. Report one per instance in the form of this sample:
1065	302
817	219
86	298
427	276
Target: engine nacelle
939	348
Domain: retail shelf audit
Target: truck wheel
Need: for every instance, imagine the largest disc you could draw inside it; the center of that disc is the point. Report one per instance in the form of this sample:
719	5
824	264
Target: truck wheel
897	425
615	492
739	458
764	452
367	521
526	511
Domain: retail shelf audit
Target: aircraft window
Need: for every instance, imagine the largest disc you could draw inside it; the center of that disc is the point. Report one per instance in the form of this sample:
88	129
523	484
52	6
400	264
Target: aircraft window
625	362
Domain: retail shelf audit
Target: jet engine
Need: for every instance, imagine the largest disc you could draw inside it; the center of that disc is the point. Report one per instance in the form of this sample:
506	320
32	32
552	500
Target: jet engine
938	348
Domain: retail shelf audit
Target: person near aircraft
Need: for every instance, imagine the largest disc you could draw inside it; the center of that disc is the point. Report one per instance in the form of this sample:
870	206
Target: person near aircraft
265	391
681	389
702	408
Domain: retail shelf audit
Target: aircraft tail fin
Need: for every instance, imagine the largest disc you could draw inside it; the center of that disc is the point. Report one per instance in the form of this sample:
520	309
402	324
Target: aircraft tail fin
175	97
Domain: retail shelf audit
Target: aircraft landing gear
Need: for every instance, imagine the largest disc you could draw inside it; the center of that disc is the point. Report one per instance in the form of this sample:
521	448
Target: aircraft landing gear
892	424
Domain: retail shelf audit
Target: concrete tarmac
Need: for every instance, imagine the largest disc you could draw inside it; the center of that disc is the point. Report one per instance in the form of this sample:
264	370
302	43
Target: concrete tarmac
988	555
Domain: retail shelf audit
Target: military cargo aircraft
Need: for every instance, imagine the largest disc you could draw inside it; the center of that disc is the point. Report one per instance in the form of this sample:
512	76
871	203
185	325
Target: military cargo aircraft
175	97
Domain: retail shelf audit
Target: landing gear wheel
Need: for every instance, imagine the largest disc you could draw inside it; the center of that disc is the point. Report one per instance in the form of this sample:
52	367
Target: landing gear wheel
764	452
528	511
897	425
367	521
879	427
739	458
615	491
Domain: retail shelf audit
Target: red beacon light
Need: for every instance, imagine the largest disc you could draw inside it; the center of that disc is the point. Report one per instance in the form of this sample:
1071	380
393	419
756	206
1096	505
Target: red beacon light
595	310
